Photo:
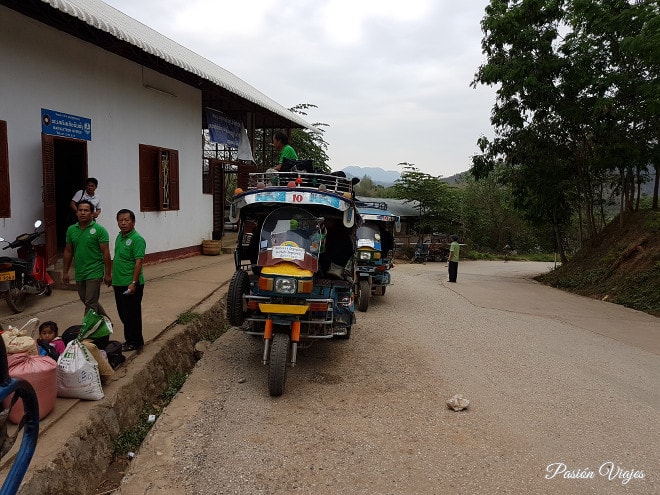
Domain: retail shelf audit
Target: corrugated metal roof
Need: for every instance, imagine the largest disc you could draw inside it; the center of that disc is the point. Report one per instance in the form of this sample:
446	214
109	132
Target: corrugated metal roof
397	206
123	27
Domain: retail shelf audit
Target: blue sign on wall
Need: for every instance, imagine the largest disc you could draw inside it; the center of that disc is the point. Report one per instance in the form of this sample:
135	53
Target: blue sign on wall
222	129
65	125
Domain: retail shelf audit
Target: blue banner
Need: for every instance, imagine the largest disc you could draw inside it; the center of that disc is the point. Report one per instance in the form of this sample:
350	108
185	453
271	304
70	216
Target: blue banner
62	124
223	130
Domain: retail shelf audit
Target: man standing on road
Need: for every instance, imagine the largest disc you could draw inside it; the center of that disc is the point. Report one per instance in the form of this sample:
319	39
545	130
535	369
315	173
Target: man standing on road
452	261
128	279
87	245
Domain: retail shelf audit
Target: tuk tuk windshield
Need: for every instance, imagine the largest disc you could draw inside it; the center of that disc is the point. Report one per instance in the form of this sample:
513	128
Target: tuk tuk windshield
368	235
290	234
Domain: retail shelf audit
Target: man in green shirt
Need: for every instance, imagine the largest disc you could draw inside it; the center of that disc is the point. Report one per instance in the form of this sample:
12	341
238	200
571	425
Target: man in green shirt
87	245
128	278
452	261
281	143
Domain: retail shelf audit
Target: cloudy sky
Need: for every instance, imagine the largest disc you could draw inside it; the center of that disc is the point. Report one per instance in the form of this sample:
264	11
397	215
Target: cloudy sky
390	78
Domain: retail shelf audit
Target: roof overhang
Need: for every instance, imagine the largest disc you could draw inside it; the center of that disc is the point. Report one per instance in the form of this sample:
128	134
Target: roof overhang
104	26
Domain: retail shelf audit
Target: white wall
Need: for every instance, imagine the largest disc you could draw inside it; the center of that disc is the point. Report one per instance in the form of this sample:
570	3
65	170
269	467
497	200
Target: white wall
41	67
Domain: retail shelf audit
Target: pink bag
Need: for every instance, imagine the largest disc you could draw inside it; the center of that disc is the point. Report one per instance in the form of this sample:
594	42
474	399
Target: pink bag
41	373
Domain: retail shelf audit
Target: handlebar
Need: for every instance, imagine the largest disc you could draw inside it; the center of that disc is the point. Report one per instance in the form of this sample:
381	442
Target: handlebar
23	240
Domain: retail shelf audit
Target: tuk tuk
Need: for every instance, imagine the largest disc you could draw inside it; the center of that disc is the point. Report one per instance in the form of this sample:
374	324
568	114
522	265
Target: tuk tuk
375	251
294	277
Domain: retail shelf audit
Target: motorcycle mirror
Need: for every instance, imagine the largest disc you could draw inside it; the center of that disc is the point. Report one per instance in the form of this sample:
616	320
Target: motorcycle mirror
37	224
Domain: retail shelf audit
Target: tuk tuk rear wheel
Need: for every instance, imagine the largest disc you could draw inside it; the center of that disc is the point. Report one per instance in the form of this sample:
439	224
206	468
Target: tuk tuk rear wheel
15	297
279	358
365	293
239	286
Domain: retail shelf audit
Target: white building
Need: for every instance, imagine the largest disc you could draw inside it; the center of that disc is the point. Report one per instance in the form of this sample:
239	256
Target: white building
86	91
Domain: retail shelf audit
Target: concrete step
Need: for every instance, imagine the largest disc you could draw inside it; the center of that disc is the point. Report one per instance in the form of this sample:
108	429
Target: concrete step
55	272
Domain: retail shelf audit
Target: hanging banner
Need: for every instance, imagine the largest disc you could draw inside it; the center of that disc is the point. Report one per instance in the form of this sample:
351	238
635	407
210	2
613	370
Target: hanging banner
223	130
66	125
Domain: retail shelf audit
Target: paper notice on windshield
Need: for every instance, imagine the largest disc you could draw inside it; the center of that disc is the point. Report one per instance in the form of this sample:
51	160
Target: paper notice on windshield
288	252
365	243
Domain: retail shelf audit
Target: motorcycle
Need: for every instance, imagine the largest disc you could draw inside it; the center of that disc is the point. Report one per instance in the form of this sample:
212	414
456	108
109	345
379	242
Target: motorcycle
293	283
375	245
27	274
421	254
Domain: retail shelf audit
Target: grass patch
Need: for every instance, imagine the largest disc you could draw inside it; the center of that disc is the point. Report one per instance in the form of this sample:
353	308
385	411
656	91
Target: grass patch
187	317
130	439
483	256
621	264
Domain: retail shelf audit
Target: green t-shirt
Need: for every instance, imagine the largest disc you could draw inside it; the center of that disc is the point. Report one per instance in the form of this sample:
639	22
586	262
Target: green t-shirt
87	255
287	152
127	249
455	248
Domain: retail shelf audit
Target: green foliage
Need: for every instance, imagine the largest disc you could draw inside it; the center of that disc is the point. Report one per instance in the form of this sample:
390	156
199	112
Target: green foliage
310	145
367	189
576	114
621	265
187	317
174	384
435	200
130	439
641	291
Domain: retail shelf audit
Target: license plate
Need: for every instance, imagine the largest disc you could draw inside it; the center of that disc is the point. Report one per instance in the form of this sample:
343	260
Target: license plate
6	276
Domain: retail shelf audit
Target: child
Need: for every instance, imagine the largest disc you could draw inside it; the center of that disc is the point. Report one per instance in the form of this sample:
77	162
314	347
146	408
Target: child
48	334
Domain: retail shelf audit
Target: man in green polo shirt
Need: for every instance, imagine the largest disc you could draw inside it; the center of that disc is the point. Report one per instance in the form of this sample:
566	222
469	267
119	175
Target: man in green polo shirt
128	279
281	143
87	245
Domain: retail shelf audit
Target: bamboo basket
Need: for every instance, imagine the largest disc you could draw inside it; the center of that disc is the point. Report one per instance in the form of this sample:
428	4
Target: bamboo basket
211	247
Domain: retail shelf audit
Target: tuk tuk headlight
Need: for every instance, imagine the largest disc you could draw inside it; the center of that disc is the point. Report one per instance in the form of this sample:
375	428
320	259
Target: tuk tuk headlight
286	285
364	255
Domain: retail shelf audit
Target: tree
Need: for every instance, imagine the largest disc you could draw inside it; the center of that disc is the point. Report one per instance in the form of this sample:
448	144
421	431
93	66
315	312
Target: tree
310	145
575	116
433	198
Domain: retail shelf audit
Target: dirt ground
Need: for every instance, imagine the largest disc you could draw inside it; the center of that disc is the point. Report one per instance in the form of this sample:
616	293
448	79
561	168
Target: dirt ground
563	393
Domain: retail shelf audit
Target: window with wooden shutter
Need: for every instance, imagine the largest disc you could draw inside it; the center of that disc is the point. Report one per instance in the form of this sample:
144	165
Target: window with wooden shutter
5	203
159	178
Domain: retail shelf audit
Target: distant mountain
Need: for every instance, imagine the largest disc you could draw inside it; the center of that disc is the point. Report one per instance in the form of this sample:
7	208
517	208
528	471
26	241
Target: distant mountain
387	177
376	174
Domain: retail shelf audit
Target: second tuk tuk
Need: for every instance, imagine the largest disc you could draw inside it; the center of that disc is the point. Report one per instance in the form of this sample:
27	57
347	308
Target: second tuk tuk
375	251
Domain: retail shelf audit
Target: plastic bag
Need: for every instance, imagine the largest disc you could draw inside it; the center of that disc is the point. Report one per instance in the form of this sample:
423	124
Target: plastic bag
95	326
78	373
105	370
16	342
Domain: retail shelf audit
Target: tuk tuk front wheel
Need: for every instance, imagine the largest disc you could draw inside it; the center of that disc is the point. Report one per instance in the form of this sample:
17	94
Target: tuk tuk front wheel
238	286
365	293
279	357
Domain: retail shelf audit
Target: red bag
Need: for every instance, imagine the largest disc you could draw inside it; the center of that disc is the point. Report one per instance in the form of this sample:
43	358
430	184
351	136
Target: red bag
41	373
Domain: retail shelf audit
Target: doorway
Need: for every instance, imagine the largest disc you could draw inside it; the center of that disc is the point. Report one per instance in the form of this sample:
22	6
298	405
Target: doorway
70	161
65	170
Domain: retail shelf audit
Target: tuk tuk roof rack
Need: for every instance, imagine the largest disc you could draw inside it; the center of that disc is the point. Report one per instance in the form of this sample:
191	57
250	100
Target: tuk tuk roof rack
306	180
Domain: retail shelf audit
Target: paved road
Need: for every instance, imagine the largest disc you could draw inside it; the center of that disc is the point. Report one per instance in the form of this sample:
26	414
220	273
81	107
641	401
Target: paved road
563	389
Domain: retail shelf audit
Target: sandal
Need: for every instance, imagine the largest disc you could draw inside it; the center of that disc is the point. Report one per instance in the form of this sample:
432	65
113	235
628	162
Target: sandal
130	347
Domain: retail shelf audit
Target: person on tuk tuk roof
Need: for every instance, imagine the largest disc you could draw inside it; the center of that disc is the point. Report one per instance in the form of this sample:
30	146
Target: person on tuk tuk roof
281	143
